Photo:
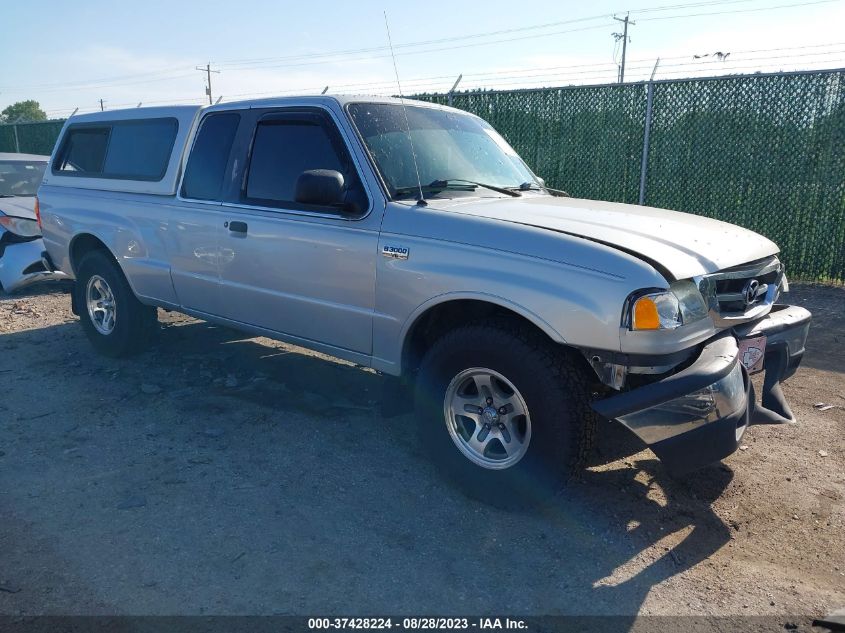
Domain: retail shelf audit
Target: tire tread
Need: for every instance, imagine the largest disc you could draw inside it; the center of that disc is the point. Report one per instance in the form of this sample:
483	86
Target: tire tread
564	376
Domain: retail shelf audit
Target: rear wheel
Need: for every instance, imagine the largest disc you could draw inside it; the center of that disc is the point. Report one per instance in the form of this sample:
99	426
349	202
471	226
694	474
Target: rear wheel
115	322
504	412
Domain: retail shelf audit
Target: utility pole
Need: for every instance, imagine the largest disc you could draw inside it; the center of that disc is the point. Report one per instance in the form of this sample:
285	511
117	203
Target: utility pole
102	107
207	70
624	37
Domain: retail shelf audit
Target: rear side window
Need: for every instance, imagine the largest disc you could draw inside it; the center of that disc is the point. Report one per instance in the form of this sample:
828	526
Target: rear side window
281	151
84	150
128	150
209	156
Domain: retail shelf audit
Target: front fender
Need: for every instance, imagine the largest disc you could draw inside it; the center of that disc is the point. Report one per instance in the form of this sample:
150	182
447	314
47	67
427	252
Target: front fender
573	305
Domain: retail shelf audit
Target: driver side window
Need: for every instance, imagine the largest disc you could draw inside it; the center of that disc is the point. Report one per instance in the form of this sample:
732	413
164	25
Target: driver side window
286	145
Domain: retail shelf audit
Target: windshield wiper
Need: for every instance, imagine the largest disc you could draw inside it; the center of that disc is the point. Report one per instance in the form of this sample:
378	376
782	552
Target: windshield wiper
453	184
402	192
459	184
7	195
533	186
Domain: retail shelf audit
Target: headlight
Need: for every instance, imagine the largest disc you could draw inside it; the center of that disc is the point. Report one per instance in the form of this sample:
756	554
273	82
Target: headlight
20	226
680	305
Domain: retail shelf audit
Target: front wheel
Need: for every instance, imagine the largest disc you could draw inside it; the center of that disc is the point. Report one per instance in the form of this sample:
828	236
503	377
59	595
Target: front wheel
115	322
504	412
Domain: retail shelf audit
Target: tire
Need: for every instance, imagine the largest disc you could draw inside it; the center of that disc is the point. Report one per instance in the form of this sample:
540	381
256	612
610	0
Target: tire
132	323
532	459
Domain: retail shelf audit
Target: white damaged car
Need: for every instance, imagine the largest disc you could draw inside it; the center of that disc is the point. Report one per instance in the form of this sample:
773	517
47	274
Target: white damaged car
21	246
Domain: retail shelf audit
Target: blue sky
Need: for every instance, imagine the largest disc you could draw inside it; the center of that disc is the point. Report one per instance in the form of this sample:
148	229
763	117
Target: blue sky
68	55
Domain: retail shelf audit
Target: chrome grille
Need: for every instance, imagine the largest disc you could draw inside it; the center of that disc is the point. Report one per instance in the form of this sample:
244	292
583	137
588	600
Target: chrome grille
742	293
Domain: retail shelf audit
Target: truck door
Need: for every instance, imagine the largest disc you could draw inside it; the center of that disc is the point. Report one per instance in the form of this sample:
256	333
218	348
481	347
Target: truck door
195	222
299	269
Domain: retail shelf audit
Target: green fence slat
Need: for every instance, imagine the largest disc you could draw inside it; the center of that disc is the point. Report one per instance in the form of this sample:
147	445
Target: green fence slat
33	138
766	151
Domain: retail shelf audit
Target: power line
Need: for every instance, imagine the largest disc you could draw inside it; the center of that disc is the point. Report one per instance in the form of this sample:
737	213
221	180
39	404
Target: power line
553	73
780	6
313	62
170	70
156	75
374	49
94	86
543	25
81	84
543	71
319	56
164	74
427	51
497	78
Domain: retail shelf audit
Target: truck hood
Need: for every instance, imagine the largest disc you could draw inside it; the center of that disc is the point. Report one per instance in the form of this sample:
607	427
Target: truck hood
20	207
682	244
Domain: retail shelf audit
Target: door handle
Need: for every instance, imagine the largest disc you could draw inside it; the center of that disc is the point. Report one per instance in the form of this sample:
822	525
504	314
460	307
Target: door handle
236	227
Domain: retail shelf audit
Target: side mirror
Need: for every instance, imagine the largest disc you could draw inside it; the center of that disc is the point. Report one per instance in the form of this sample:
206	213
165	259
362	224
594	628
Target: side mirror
323	187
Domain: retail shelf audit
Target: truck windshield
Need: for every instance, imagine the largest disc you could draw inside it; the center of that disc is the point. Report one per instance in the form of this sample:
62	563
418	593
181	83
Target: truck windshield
20	178
449	146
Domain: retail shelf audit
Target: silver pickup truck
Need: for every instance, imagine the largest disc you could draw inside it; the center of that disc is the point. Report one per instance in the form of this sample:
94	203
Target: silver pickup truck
412	239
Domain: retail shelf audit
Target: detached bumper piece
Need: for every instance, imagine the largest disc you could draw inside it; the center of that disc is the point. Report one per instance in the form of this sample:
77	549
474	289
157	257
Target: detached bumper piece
699	415
694	417
785	329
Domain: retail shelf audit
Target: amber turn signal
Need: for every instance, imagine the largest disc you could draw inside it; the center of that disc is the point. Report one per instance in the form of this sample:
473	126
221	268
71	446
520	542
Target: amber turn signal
646	316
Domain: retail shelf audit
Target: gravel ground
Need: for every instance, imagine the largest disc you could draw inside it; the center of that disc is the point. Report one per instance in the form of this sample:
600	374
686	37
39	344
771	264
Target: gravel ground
219	474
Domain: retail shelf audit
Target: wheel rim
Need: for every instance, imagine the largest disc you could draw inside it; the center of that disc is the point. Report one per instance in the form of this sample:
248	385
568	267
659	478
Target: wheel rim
99	299
487	418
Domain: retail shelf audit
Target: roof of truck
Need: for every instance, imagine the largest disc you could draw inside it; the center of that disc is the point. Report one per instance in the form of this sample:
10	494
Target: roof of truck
188	117
337	98
181	110
326	99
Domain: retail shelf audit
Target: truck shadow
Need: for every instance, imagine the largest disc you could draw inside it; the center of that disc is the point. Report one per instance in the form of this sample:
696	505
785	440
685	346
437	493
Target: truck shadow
624	527
344	503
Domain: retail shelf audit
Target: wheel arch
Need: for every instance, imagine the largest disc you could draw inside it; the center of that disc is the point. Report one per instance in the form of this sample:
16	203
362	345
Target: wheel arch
79	246
84	243
445	312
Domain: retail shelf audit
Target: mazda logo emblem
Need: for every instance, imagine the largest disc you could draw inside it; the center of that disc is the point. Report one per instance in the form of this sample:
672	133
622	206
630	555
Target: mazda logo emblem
750	291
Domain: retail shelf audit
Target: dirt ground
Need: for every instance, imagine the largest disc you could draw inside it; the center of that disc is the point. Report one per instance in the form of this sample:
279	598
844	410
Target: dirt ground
219	474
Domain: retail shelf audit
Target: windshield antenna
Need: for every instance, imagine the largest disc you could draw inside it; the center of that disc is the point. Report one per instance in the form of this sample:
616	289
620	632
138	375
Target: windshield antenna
421	200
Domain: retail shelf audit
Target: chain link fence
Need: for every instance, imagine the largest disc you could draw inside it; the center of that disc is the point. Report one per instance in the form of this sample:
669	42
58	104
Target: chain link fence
30	138
766	152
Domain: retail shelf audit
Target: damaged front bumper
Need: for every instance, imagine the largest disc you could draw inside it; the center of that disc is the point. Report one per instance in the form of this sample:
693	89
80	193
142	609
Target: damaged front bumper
24	262
698	415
